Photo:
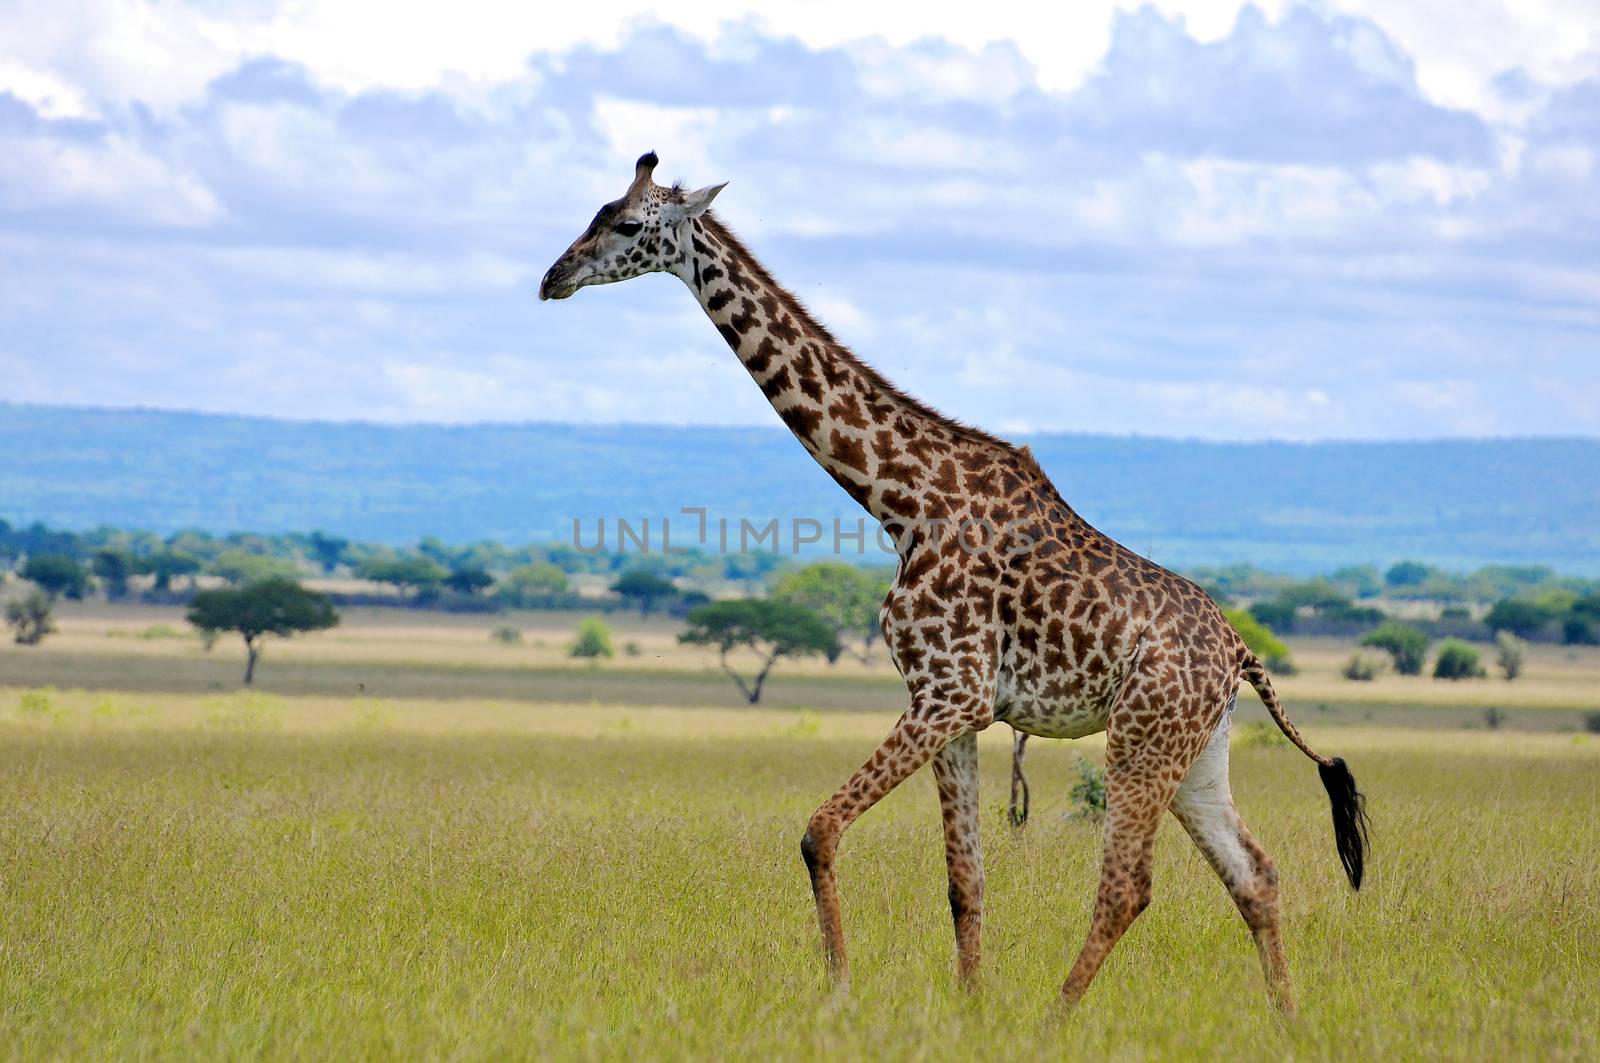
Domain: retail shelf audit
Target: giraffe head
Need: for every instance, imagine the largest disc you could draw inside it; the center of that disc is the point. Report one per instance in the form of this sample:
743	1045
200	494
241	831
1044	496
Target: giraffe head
646	231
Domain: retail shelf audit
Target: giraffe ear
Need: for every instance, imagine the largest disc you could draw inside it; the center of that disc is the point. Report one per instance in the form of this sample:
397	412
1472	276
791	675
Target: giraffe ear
695	203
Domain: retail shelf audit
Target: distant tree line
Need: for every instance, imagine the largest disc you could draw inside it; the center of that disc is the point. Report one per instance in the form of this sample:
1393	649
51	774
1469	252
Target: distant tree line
1532	603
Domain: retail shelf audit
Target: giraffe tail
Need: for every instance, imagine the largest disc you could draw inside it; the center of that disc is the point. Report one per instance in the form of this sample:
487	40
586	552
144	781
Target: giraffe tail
1349	804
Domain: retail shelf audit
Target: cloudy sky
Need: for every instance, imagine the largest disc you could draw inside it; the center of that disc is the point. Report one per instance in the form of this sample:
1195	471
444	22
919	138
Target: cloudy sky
1343	220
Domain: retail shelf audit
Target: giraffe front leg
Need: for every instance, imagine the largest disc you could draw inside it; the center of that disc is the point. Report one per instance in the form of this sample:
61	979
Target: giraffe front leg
955	769
914	739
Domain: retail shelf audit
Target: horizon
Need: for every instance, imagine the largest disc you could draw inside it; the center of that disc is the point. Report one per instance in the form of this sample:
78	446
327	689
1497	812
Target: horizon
781	429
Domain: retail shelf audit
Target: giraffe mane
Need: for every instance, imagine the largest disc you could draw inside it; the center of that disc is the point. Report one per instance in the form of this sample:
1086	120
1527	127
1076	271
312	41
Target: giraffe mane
795	307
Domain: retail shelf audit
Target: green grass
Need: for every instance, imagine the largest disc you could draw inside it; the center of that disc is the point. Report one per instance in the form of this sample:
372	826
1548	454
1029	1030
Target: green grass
287	877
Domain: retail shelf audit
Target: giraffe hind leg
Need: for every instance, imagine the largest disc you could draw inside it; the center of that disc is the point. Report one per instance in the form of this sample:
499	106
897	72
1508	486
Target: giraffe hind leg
1204	805
1018	812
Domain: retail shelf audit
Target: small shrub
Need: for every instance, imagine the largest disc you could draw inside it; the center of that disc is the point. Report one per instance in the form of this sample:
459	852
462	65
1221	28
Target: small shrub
1088	794
1510	654
1591	722
807	725
30	616
1493	718
1455	612
1404	643
1457	660
593	641
632	649
37	702
1363	667
161	632
506	636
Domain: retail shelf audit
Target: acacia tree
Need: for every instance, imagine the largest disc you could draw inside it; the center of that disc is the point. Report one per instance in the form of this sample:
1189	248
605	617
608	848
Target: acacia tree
468	579
241	567
327	550
414	573
844	595
1519	616
114	566
56	575
1407	574
768	628
167	564
534	584
644	588
268	607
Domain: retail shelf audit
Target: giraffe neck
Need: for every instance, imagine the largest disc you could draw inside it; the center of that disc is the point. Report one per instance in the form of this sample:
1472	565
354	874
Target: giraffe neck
880	445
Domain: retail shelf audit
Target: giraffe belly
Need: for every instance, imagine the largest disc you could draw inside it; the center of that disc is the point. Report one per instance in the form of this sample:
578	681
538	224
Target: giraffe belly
1050	715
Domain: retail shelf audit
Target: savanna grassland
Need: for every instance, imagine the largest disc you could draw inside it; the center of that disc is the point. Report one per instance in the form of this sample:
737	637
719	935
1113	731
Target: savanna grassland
317	870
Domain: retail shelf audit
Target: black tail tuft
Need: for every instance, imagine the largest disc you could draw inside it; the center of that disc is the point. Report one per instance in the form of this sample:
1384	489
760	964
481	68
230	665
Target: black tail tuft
1349	817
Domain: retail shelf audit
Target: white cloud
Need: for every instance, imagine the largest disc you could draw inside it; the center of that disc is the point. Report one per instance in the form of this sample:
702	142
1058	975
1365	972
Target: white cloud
1063	218
843	316
341	274
114	52
48	93
630	125
37	173
165	52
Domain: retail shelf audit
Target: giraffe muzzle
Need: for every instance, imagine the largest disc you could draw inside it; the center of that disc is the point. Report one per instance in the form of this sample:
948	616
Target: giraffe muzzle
557	283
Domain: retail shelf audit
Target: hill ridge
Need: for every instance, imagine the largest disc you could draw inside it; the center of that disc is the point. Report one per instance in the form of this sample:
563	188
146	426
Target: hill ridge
1291	505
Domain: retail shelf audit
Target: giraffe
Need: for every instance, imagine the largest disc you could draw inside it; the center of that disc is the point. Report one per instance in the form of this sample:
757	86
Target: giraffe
1049	625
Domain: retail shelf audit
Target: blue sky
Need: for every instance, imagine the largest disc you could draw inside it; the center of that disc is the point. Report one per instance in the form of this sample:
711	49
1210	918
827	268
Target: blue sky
1346	220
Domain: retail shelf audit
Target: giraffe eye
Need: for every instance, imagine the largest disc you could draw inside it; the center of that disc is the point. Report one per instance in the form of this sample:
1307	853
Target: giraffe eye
630	228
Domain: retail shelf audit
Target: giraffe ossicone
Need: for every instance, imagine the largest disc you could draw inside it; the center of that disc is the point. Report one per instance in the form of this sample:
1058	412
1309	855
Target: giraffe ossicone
1072	636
